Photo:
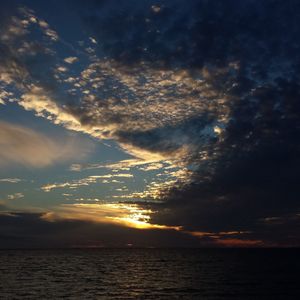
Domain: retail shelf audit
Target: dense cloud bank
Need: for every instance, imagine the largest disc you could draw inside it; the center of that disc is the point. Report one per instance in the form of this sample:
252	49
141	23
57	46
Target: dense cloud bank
250	181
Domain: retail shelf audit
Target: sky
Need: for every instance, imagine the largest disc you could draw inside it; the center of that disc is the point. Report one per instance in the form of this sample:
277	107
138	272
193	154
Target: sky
149	123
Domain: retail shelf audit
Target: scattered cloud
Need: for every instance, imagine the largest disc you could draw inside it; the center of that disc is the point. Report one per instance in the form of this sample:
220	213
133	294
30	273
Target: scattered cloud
84	181
71	59
15	196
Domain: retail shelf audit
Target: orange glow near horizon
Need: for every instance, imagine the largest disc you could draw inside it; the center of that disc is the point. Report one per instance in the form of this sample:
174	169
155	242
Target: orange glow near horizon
239	243
124	214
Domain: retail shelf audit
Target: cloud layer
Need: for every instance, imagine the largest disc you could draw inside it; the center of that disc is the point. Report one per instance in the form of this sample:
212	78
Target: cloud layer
211	87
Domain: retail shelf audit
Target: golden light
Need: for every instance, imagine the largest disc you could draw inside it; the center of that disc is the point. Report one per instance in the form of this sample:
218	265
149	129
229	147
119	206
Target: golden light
124	214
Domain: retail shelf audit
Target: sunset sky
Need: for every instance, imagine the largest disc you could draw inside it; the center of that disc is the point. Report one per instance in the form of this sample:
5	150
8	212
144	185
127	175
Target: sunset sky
149	123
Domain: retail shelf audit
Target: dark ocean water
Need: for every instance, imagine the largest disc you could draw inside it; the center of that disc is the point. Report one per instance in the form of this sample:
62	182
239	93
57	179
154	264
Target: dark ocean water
150	274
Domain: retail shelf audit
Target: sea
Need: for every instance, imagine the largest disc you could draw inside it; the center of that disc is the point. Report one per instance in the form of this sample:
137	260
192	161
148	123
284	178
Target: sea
150	274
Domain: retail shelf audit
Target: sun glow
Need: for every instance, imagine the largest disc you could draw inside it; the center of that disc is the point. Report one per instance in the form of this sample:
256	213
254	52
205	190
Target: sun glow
124	214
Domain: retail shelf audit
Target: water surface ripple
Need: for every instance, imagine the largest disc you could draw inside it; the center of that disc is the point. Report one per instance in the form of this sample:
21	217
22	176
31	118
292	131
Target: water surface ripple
150	274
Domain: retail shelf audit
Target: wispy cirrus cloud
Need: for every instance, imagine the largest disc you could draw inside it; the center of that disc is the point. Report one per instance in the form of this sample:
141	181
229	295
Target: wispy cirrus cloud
11	180
20	145
85	181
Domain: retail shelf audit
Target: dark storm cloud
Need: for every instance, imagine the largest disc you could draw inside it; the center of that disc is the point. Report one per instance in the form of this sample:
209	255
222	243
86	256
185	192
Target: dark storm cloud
193	33
261	37
254	176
